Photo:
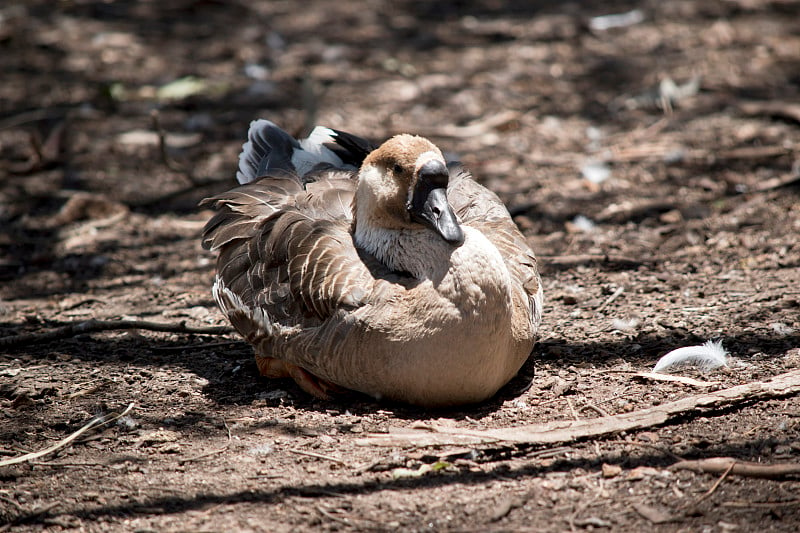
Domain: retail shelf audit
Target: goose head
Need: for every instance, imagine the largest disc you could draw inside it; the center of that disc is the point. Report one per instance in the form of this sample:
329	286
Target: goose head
402	188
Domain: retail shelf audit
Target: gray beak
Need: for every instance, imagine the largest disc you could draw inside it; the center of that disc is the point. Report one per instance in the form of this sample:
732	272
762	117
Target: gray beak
429	205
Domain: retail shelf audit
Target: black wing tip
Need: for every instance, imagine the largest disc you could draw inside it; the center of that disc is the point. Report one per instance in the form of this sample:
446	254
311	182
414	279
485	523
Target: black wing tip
350	148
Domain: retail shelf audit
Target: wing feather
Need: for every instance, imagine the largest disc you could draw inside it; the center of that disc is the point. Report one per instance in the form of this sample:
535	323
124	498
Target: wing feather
287	250
268	149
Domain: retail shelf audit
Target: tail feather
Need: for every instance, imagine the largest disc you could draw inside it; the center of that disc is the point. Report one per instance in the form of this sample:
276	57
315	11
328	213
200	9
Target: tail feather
271	151
251	322
268	149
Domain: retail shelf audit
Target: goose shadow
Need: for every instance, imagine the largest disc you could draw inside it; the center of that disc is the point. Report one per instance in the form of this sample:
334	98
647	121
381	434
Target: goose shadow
228	366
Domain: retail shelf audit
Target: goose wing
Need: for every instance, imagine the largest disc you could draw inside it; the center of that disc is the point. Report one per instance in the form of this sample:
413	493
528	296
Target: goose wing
286	254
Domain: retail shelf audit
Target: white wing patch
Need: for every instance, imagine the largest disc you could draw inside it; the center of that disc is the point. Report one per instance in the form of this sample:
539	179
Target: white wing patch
314	151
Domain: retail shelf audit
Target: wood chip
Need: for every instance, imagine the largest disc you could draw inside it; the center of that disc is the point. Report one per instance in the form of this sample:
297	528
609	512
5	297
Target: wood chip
653	514
611	470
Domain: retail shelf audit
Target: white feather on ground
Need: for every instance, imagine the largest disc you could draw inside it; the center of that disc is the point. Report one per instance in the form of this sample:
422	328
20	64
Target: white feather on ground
709	355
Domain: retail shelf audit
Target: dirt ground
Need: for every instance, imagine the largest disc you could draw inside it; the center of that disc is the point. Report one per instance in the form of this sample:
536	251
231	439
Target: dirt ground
652	166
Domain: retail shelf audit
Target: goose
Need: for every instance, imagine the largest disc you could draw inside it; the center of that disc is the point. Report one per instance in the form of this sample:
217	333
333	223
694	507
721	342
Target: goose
378	269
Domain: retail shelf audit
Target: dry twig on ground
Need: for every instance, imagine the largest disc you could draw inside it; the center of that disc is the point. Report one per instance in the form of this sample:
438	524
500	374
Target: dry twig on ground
561	431
95	326
713	488
584	259
762	505
212	452
716	465
317	456
93	423
162	147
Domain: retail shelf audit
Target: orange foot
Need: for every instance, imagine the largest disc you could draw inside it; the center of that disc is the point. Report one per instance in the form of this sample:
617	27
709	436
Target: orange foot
317	387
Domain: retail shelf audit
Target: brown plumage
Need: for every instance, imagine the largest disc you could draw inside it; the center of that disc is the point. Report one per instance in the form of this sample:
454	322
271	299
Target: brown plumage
368	279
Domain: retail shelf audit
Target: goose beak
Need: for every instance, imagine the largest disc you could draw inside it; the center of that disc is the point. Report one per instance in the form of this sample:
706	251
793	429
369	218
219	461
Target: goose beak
438	215
429	204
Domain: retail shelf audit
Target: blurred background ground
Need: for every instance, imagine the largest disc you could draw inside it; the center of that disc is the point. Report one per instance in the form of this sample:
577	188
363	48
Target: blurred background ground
651	160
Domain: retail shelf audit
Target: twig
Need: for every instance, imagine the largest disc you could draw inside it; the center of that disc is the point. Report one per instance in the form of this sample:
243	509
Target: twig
204	346
12	502
784	110
573	260
593	407
561	431
212	452
87	390
783	180
550	452
675	379
611	298
317	455
95	422
739	468
572	409
33	116
162	147
30	516
659	449
333	517
754	152
710	491
641	133
93	326
767	505
69	465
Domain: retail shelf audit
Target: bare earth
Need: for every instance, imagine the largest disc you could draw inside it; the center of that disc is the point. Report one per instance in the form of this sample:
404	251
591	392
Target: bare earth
662	219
